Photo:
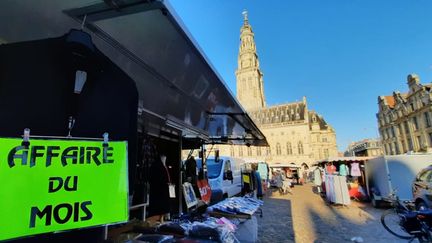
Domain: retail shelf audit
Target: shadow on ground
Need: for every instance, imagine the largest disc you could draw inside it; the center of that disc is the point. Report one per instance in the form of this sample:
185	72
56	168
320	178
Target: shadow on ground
276	224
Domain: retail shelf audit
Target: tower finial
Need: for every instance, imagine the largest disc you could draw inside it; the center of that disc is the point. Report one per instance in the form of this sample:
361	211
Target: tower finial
245	15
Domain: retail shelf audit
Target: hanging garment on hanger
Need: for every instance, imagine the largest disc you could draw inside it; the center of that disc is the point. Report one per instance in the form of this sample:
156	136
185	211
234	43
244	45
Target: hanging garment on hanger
343	170
331	169
355	169
159	191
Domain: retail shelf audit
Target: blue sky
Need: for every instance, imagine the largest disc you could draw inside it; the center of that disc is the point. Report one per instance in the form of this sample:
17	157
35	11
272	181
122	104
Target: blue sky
340	54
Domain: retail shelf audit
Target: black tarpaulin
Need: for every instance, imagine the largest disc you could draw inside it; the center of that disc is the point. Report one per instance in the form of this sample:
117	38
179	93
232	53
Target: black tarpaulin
176	82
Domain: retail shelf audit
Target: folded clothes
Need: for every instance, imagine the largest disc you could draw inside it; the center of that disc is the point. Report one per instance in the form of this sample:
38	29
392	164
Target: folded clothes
204	232
155	238
171	228
235	205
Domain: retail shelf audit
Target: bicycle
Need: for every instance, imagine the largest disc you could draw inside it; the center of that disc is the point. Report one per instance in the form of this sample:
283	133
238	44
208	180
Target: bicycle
408	224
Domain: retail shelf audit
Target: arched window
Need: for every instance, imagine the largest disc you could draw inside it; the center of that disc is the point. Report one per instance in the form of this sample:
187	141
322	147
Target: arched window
278	149
258	151
289	148
268	150
232	151
241	151
300	147
249	151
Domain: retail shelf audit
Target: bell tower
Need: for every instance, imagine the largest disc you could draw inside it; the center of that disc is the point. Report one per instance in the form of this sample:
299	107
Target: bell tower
250	88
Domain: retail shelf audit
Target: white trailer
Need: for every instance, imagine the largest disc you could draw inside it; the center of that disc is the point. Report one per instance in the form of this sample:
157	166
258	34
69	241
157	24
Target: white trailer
393	174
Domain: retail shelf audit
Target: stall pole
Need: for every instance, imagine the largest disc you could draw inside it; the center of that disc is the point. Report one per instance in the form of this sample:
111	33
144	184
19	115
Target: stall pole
204	162
180	187
106	232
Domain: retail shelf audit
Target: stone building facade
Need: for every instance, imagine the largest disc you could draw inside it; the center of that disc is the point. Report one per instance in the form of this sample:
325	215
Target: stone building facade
366	147
295	133
404	119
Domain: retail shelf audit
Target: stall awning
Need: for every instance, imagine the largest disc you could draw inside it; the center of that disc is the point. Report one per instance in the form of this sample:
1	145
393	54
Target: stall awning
343	159
285	165
178	87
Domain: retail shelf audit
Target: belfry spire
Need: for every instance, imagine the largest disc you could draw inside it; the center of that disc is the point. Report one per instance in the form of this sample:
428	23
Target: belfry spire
250	88
245	16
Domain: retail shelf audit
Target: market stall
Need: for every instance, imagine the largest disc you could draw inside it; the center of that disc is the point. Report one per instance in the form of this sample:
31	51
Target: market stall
291	171
341	178
75	70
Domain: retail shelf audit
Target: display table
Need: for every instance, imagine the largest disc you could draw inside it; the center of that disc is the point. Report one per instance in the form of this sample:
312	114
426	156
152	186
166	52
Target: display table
236	207
229	221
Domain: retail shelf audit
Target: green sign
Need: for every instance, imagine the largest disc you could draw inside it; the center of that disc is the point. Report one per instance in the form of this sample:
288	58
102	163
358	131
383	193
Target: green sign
55	185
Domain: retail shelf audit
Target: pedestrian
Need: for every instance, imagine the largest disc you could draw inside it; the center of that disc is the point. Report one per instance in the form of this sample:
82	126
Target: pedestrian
317	179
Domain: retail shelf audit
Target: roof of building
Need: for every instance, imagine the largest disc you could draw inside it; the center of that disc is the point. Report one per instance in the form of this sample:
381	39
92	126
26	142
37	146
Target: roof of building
318	119
391	102
288	112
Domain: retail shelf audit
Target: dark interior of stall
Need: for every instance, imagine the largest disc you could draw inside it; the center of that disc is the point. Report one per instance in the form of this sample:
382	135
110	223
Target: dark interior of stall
42	99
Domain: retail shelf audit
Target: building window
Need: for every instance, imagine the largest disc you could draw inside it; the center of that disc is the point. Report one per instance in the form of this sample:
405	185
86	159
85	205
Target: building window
324	139
326	153
410	145
387	148
396	148
268	150
300	148
241	151
400	131
403	146
249	151
416	126
419	141
412	106
430	139
393	131
289	148
278	149
258	151
427	119
232	151
406	127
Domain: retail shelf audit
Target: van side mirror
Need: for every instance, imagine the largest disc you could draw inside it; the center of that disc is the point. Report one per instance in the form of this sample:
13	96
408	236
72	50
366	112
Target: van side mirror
228	175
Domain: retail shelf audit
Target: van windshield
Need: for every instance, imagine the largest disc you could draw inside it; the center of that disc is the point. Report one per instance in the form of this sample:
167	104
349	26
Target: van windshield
213	168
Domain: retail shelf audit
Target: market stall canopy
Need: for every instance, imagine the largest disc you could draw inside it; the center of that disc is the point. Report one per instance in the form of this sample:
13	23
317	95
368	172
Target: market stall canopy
178	87
284	165
343	159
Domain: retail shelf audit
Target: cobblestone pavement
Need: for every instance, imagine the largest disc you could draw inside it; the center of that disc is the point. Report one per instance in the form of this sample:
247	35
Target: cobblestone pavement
304	216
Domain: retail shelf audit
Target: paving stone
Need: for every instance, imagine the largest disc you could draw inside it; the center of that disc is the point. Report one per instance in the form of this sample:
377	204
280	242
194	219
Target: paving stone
304	216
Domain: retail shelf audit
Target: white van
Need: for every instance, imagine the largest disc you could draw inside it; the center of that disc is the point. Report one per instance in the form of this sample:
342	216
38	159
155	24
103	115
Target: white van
224	176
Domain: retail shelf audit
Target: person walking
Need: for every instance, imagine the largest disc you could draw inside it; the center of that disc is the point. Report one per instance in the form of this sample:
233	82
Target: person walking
317	179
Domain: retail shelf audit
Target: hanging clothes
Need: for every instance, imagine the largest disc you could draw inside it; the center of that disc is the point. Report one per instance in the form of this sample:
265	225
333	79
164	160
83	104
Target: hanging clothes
159	192
343	170
331	169
317	177
355	169
258	184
